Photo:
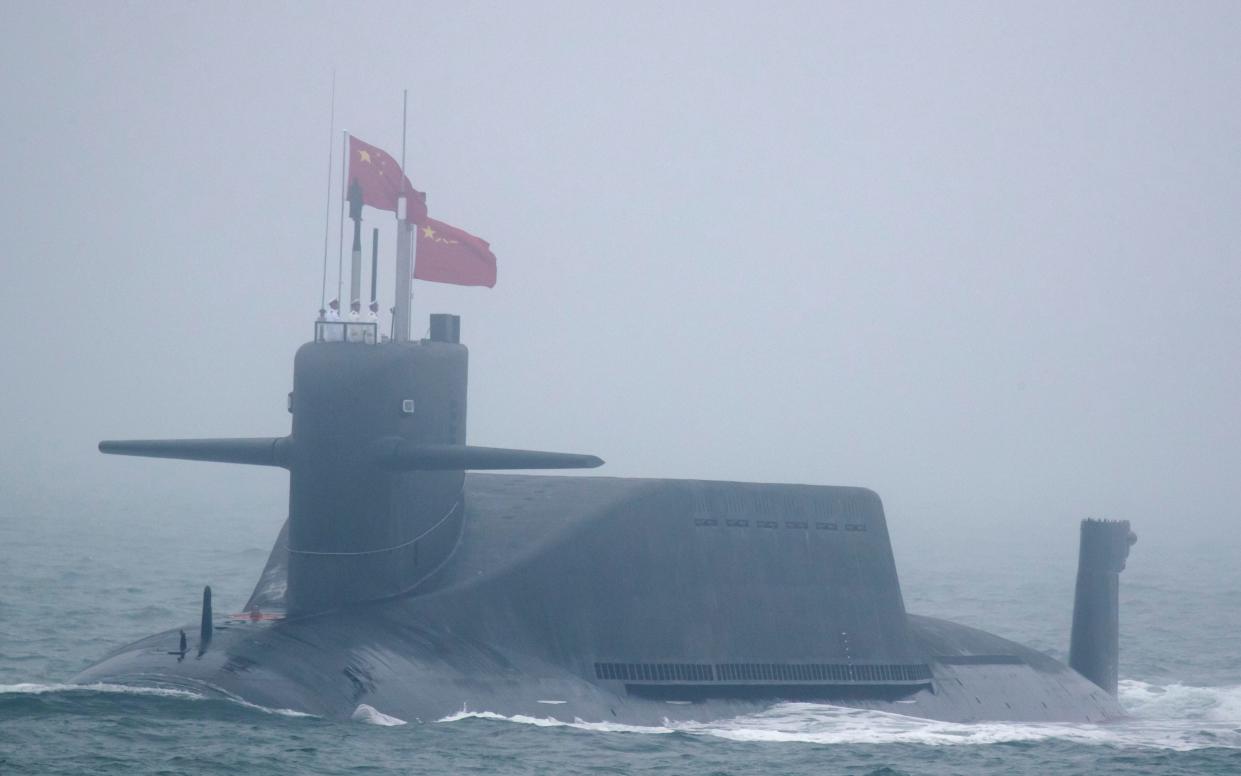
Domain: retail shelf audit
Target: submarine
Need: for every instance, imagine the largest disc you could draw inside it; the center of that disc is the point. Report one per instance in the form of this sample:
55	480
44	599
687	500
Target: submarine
413	578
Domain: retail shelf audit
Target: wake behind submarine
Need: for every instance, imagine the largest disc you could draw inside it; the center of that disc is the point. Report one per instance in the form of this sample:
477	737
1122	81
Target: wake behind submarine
408	580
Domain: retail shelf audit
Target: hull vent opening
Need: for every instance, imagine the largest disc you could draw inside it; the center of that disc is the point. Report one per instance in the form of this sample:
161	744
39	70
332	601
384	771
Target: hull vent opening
791	673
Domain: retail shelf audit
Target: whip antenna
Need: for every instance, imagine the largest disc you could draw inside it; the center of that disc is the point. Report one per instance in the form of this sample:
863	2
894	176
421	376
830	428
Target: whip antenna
340	253
327	208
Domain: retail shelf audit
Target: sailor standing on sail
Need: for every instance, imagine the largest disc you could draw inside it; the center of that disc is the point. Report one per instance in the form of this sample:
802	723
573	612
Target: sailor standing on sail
332	329
372	318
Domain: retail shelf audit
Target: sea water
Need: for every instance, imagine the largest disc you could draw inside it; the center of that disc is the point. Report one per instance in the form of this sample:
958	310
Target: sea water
79	579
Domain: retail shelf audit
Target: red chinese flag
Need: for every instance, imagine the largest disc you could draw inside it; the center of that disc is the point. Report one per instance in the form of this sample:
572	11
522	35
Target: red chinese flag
445	254
380	178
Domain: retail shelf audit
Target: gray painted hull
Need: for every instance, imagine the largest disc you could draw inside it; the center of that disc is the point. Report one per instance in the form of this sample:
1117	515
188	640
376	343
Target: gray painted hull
634	601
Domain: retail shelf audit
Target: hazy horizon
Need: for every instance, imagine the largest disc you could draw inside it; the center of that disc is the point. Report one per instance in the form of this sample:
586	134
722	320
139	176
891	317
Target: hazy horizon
979	258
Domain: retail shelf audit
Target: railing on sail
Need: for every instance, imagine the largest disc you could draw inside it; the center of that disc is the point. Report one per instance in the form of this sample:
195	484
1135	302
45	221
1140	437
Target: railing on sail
363	332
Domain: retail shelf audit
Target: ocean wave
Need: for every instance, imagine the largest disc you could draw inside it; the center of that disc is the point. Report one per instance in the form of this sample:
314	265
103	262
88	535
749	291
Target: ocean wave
373	716
268	710
1175	716
598	727
1152	701
30	688
140	691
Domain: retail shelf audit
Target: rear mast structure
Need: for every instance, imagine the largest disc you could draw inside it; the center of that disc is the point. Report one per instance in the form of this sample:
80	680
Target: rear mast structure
355	266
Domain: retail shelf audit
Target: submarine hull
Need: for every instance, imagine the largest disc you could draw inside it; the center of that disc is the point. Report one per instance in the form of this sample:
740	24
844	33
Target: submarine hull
331	664
627	600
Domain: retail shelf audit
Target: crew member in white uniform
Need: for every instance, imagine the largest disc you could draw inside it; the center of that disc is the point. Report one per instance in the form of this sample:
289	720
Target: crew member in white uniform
372	317
333	330
355	310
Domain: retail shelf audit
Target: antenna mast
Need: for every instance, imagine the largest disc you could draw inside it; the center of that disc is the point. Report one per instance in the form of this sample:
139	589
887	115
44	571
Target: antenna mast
340	253
327	209
374	265
355	266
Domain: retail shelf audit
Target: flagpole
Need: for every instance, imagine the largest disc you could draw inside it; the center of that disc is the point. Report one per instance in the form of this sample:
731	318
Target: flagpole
327	207
403	297
344	176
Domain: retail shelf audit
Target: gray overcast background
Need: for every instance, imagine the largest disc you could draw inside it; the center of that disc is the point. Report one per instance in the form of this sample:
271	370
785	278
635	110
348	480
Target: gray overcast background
982	258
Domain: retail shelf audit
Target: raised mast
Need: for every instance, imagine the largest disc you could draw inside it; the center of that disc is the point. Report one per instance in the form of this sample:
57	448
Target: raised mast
404	276
355	267
404	269
374	267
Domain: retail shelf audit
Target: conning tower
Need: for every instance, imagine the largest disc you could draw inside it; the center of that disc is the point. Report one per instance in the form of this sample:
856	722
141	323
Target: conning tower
361	525
376	461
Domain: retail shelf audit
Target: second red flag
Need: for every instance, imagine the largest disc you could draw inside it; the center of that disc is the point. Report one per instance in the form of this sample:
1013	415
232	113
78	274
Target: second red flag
447	254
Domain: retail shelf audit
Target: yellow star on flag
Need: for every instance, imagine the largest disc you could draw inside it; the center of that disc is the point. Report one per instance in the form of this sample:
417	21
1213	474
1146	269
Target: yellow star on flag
428	232
364	156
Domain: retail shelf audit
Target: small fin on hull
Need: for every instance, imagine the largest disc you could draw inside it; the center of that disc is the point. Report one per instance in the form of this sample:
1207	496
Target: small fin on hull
205	628
269	592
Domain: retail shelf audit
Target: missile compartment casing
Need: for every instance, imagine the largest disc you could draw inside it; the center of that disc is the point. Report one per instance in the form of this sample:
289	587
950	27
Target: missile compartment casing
660	573
359	531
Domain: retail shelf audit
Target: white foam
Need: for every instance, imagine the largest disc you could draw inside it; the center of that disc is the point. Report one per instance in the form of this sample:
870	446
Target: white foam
522	719
1176	716
256	707
120	689
372	716
518	718
1150	701
1180	716
266	710
126	689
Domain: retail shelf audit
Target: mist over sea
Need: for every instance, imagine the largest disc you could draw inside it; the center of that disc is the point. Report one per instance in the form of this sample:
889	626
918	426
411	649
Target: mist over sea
980	257
80	579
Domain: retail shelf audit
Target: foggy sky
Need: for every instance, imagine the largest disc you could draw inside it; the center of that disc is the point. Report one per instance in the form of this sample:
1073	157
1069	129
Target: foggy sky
982	258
